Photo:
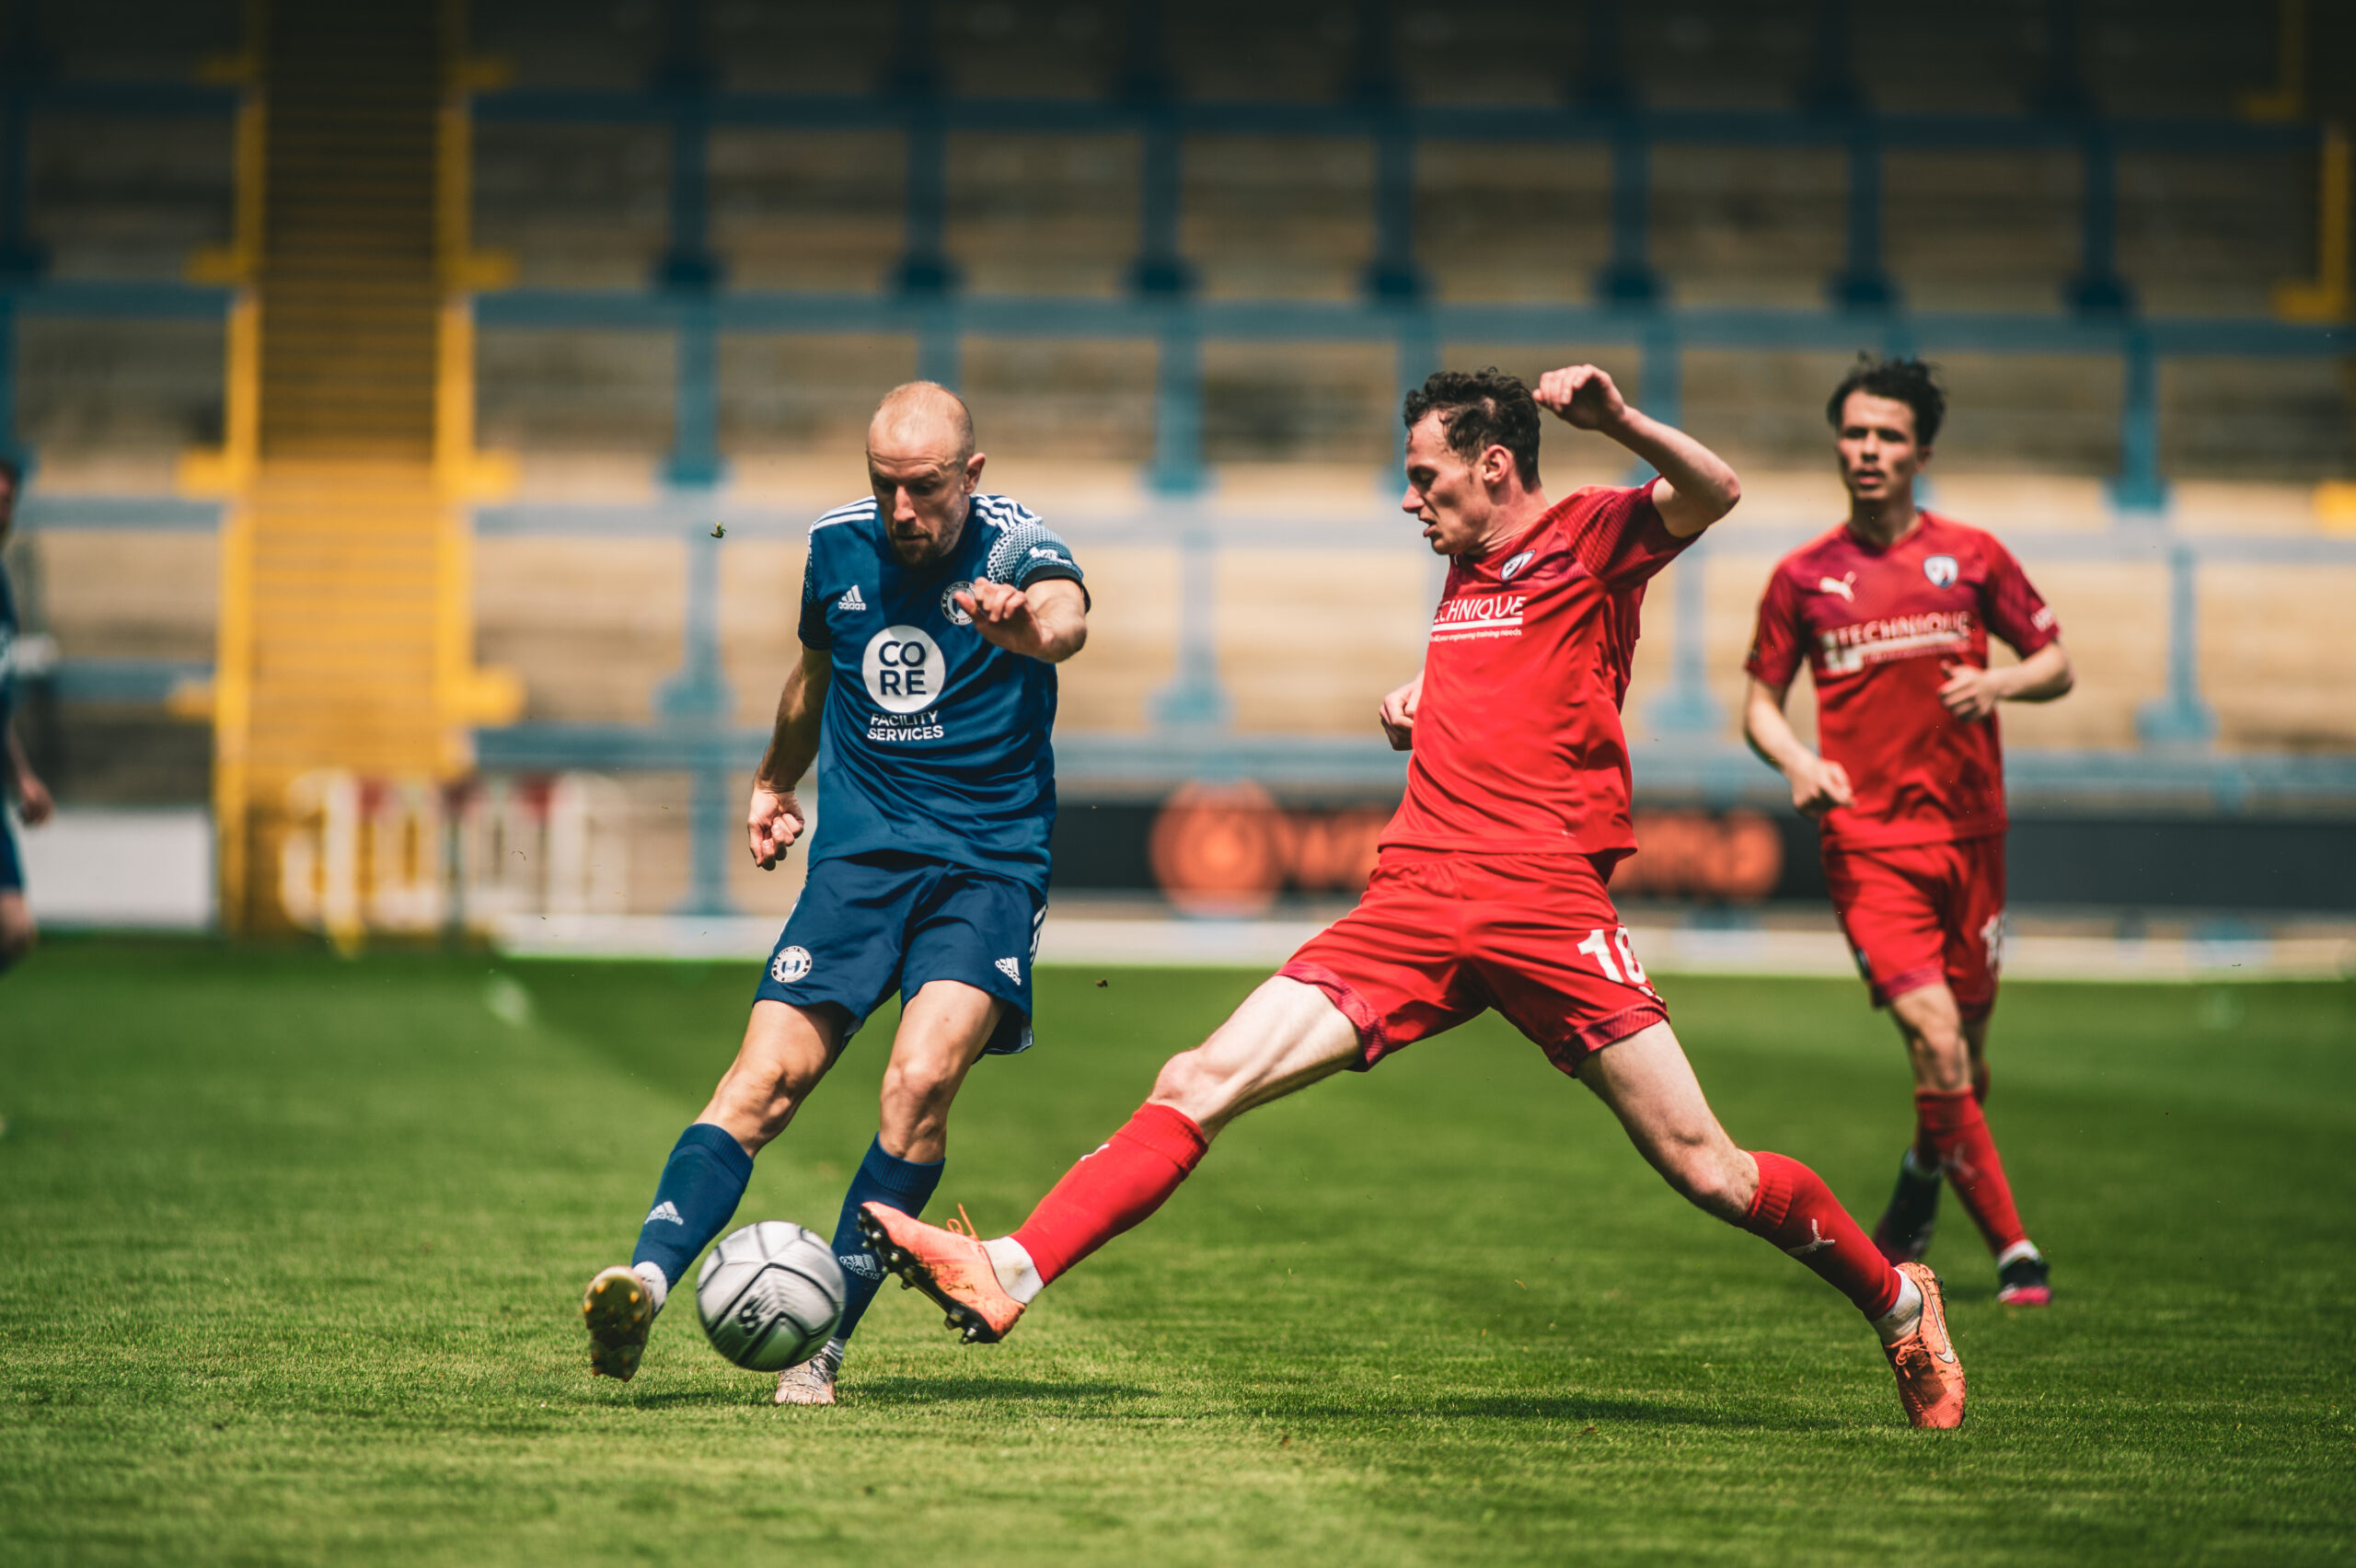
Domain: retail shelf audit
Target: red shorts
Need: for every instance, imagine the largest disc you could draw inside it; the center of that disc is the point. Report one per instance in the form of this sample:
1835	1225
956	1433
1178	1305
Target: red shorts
1440	938
1924	914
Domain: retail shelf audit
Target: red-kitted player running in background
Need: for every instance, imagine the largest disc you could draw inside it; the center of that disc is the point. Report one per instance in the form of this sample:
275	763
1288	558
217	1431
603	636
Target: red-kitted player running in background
1891	612
1489	890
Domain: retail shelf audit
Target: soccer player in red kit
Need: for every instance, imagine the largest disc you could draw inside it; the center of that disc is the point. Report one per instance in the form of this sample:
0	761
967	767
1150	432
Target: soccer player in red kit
1489	890
1891	612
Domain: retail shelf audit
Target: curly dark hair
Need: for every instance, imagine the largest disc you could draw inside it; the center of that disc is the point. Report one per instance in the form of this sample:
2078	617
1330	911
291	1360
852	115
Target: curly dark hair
1481	409
1907	381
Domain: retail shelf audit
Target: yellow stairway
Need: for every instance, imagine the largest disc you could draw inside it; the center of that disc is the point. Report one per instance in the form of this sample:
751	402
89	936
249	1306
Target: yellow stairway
346	626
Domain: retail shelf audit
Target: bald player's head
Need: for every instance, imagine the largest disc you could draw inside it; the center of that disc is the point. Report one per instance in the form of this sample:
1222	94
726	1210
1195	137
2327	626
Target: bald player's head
922	466
922	414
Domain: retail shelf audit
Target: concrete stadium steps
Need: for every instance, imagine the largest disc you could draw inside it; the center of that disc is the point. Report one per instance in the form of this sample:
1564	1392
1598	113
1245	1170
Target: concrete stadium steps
350	280
344	567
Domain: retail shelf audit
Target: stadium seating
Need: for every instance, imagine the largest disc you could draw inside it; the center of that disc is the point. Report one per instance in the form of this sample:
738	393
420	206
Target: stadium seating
1281	599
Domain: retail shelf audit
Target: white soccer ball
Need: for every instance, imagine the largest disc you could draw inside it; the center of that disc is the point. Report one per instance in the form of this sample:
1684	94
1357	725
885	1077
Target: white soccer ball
769	1296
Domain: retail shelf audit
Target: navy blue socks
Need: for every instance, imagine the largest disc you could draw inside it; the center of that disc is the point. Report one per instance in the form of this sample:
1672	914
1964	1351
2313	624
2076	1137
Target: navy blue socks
701	1183
895	1184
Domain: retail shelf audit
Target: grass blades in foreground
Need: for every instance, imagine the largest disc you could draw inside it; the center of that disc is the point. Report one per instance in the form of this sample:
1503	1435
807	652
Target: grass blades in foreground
294	1249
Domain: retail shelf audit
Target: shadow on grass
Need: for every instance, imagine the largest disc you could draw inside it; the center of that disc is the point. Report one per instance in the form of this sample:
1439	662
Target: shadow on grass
1758	1415
907	1393
958	1389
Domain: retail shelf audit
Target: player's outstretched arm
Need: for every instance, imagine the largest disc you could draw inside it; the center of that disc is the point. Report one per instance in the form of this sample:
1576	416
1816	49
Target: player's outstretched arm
1696	486
1047	620
1973	693
1818	786
773	820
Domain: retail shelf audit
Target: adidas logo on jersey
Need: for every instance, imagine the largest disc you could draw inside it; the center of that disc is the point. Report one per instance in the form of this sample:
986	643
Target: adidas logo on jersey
851	601
1011	968
667	1212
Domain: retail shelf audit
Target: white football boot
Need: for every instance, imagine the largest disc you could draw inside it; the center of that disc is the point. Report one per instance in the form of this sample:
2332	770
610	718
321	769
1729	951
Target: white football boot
813	1382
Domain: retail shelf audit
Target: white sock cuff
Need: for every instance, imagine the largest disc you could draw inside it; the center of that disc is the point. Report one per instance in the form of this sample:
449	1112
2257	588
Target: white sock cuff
651	1273
2017	1251
1900	1320
1016	1275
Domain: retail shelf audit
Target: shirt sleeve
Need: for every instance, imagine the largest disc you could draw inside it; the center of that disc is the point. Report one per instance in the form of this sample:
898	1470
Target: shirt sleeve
1028	551
1775	643
2016	610
1623	539
814	633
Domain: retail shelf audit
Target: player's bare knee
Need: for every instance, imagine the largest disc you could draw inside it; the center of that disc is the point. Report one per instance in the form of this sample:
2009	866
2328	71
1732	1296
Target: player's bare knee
1941	1060
754	1101
1188	1081
915	1091
1701	1173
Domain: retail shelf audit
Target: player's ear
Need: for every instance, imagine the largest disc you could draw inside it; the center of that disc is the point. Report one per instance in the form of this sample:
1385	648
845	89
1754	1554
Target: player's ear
974	470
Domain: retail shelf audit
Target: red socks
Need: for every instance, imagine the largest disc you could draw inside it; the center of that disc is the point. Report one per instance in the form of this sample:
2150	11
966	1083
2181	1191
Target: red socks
1926	1157
1796	1210
1951	1123
1112	1189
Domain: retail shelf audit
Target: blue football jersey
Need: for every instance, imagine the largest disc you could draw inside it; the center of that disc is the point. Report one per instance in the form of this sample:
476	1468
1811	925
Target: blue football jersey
7	662
934	741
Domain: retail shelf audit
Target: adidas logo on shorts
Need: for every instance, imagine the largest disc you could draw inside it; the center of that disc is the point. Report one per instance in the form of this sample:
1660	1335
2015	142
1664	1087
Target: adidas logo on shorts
851	601
1011	968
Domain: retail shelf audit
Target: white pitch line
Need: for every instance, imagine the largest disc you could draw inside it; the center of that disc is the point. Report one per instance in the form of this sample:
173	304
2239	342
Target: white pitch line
1264	944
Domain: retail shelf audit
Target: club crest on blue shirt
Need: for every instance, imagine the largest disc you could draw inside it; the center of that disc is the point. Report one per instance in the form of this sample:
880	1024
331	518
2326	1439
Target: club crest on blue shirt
951	608
1941	570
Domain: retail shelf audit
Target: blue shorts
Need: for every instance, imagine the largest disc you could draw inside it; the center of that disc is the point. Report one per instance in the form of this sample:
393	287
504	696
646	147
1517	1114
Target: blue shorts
12	865
869	924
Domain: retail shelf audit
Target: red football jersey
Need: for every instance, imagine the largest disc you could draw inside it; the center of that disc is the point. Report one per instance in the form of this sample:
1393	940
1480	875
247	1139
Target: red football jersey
1519	748
1880	629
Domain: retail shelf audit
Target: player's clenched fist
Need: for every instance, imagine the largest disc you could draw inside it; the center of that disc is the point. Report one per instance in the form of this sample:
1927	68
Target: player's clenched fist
1583	397
1398	715
773	822
1818	786
1969	693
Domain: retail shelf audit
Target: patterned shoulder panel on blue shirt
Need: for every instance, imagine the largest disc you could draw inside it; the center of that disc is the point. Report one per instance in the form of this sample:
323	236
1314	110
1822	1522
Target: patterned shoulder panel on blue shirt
1024	550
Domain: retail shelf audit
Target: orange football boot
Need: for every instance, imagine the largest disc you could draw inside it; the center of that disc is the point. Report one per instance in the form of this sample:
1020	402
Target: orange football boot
947	1265
1930	1377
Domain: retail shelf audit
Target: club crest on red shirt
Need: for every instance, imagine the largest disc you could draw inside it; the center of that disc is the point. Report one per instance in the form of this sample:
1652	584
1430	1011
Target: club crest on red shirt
1505	572
1941	570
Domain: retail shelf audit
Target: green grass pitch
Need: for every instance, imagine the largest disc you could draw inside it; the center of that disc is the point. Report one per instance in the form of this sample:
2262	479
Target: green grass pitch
291	1252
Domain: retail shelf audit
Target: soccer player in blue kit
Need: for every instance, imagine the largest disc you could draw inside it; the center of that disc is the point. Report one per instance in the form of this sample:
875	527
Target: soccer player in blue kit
16	929
932	619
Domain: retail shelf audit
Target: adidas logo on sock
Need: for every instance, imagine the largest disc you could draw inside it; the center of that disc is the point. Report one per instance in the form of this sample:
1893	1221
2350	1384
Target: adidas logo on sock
851	601
863	1264
668	1211
1010	969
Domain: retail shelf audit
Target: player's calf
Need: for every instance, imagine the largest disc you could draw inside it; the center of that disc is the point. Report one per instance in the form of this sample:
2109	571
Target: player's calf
18	931
1903	1233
